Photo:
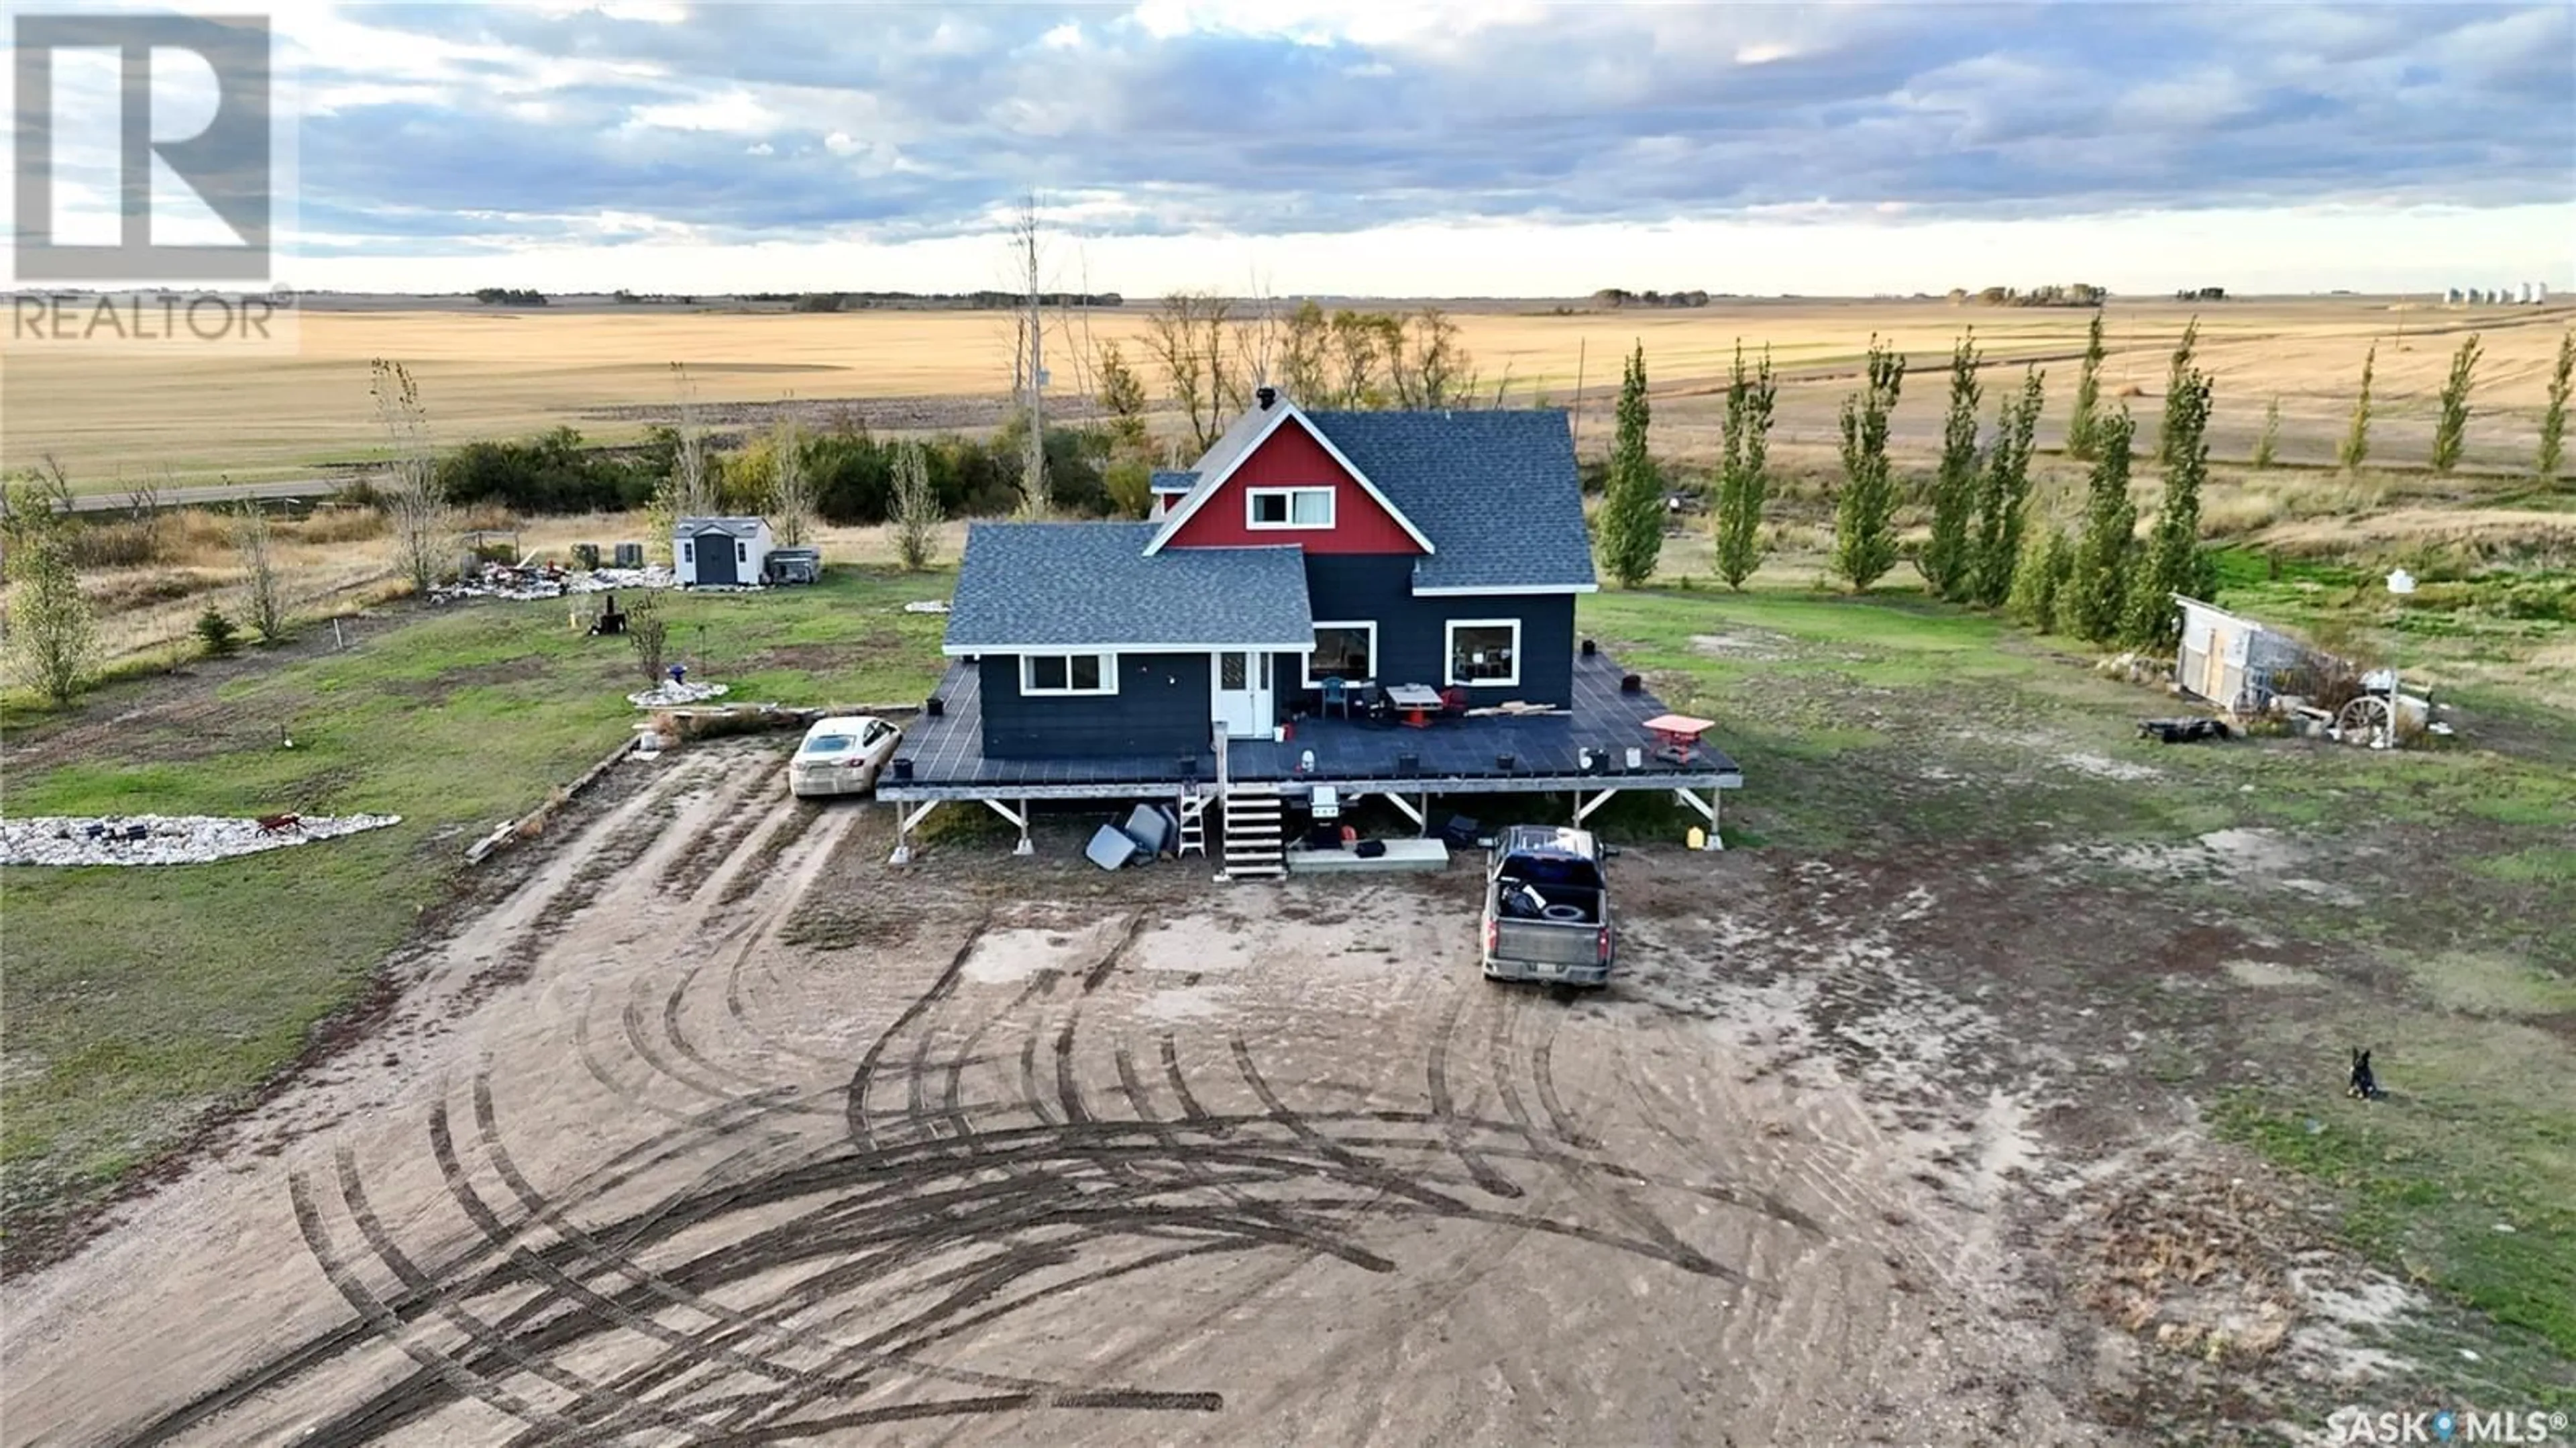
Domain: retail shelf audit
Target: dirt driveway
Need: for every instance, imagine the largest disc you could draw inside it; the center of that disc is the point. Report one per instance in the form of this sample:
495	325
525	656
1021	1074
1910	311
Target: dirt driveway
721	1131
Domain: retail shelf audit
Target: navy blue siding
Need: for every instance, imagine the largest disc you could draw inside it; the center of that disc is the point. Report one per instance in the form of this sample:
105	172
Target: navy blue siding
1161	707
1412	631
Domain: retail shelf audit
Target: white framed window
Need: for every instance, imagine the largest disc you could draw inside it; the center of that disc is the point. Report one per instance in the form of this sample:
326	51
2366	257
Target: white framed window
1068	673
1288	508
742	553
1485	652
1345	650
688	552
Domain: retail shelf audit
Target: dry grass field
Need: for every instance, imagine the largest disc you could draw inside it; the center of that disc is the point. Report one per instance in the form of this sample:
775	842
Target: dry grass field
117	417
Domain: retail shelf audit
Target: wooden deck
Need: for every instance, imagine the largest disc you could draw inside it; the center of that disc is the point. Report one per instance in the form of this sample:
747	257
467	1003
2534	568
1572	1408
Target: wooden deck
1451	756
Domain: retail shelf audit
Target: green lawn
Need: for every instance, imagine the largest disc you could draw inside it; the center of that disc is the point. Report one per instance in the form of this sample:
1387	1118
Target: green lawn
138	998
1894	725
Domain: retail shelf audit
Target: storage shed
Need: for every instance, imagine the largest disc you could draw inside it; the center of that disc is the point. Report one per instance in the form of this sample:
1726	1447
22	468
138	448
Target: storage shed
2230	660
720	552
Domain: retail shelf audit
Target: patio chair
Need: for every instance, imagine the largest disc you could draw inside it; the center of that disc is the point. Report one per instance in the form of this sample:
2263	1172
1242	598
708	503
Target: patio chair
1453	702
1336	693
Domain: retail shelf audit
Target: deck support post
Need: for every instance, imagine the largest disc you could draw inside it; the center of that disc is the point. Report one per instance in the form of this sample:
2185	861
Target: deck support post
1418	816
1021	819
1583	808
1707	810
903	824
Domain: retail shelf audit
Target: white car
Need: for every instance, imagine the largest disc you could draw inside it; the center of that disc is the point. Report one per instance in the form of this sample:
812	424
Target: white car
841	756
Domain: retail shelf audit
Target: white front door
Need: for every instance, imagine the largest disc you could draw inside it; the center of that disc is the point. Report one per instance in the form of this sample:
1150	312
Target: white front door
1241	700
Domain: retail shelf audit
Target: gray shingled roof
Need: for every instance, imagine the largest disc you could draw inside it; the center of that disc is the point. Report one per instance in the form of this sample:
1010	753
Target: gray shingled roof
738	527
1165	482
1090	584
1496	492
1231	443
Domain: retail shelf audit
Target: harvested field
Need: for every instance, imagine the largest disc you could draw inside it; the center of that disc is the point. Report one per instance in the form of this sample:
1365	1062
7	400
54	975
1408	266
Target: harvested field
488	373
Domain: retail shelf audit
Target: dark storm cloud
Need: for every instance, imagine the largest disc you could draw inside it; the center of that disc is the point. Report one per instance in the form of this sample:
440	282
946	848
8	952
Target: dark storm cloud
893	123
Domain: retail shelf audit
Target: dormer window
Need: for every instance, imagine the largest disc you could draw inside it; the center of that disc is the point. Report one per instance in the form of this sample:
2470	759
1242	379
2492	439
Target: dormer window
1288	508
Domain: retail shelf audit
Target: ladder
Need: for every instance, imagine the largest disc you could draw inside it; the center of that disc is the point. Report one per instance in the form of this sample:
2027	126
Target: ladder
1193	817
1254	840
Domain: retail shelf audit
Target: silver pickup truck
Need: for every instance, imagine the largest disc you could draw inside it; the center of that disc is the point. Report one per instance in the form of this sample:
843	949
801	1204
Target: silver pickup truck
1547	908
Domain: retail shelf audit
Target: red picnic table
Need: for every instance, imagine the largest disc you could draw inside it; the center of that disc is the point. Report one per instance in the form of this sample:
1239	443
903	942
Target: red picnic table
1678	734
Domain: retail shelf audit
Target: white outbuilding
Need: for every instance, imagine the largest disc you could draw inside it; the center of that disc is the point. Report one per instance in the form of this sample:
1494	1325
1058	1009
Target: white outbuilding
720	552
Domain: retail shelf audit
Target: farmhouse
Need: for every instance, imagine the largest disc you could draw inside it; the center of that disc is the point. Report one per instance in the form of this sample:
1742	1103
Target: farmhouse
1377	602
720	552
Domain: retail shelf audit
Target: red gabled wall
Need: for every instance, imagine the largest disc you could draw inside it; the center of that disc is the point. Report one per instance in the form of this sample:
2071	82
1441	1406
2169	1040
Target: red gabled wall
1290	457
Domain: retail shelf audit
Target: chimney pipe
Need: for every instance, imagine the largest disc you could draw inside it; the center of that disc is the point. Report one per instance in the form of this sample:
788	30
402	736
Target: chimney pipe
1266	396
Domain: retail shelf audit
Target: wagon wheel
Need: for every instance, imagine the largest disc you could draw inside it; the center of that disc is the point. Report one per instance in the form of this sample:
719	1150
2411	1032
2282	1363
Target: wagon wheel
2250	704
2365	721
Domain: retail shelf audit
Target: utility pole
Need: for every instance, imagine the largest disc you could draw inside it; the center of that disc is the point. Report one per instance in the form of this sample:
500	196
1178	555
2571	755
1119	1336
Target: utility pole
1576	428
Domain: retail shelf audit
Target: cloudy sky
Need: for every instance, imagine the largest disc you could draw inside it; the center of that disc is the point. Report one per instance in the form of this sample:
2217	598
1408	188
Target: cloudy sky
1396	147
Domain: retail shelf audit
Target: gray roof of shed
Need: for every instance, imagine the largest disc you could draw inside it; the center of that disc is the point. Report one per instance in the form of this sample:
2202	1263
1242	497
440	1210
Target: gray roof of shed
1496	491
1091	585
1170	482
738	527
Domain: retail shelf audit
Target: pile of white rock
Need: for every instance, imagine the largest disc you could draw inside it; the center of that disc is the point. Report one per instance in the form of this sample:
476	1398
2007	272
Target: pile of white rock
666	694
600	580
163	839
524	583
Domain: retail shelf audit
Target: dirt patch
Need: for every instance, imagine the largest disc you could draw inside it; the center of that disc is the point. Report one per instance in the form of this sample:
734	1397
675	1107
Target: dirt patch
1200	1157
1743	645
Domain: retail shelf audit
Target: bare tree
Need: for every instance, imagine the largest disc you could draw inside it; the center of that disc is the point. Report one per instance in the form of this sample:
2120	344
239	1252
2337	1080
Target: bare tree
416	510
1256	342
693	492
913	512
1024	254
263	589
1361	346
1431	368
650	634
1305	343
1188	335
791	488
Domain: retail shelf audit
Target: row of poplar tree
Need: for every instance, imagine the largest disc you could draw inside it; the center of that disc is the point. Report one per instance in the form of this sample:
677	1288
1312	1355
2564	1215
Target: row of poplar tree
2098	581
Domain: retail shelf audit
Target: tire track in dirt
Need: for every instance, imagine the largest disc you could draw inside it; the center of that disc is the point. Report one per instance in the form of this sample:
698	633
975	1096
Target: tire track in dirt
1436	1076
496	1346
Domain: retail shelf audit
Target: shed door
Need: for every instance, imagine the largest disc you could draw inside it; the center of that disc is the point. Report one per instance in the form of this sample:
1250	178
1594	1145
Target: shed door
1241	686
716	559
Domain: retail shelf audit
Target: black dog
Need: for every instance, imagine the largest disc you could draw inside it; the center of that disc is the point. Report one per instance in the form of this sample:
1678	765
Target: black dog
2365	1086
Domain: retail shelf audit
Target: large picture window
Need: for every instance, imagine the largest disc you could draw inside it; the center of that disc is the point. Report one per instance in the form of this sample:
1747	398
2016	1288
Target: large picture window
1288	507
1068	673
1485	651
1346	651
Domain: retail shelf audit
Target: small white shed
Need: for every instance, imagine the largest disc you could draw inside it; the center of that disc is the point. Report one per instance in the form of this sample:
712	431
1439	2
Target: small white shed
720	552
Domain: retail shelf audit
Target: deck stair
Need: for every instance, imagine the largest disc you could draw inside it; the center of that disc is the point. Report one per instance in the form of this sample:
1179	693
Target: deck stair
1255	838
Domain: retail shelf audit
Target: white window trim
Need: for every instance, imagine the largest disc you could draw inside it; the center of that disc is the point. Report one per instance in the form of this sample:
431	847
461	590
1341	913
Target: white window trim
1369	624
1449	652
1108	674
1332	508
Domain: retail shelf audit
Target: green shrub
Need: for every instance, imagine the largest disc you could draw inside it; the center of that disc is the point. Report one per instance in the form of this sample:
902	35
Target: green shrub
220	635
